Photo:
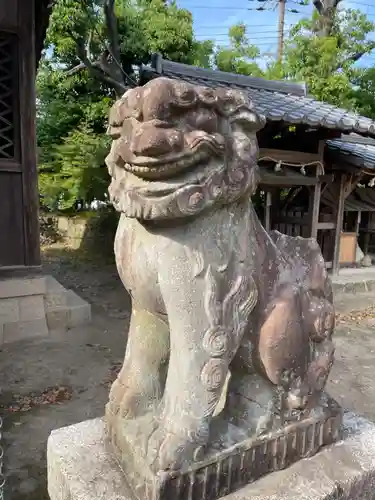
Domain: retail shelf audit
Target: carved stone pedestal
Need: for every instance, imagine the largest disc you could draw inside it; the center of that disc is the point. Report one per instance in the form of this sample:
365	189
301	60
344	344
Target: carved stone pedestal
235	455
80	467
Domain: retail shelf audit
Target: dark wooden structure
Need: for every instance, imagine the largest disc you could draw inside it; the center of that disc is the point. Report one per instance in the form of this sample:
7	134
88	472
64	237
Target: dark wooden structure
22	28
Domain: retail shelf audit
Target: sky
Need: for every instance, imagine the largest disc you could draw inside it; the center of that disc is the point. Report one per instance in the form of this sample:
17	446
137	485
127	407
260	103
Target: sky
212	18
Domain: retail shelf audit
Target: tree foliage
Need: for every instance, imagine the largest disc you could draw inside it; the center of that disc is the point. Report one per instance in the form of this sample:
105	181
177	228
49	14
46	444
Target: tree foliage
240	56
321	51
327	63
93	49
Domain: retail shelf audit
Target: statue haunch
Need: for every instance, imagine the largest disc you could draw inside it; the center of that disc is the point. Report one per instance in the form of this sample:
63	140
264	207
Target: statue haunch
213	293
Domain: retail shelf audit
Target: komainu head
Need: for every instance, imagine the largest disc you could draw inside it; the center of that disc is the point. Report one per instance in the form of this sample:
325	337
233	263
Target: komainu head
179	148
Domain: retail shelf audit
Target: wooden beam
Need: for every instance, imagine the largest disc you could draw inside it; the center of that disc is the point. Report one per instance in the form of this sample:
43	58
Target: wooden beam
10	166
314	208
28	138
326	225
269	179
327	178
292	219
267	221
295	157
321	147
339	222
358	222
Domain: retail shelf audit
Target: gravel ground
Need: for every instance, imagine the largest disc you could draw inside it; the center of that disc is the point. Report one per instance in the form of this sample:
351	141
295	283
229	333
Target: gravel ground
64	379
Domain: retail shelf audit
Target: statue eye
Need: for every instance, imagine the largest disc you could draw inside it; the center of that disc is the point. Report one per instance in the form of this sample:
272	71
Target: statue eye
203	119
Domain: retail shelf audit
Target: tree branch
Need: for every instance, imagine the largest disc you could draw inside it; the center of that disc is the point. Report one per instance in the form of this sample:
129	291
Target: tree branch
107	67
357	55
76	69
83	54
115	68
327	11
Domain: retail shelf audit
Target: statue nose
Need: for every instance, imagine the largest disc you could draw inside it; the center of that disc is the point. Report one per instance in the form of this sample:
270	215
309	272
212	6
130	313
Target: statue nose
154	141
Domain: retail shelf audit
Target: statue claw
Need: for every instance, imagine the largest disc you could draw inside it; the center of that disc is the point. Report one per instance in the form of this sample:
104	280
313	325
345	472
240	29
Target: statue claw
169	451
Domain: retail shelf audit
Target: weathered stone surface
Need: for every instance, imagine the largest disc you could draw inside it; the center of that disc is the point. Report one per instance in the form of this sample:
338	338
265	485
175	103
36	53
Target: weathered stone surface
213	293
20	330
31	307
9	310
56	294
21	287
79	310
234	456
81	467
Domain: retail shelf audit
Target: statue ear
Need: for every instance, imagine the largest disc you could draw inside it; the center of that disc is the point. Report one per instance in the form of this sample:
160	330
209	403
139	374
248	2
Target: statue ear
248	120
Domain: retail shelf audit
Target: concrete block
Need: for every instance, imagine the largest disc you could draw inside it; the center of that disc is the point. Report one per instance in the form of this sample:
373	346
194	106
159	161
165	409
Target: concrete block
21	287
31	307
20	330
81	466
64	308
79	310
56	294
9	310
79	315
57	318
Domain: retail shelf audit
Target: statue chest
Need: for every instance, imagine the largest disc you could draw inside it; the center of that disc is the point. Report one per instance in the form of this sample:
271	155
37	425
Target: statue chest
136	253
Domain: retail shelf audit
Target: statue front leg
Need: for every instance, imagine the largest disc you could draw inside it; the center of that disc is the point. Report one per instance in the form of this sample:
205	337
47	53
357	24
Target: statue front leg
206	328
139	383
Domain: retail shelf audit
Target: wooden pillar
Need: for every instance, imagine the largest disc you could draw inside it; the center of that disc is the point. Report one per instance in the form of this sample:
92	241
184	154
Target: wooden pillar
358	222
314	208
366	242
267	221
27	75
339	222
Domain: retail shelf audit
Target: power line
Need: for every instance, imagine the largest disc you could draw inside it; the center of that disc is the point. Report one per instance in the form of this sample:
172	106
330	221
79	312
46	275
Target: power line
244	9
249	27
219	7
247	36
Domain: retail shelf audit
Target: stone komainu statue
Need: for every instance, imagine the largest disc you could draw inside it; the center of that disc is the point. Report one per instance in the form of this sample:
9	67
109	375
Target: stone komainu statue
217	301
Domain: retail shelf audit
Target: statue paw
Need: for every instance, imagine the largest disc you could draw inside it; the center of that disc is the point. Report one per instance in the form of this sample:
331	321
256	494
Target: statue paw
135	403
115	396
170	451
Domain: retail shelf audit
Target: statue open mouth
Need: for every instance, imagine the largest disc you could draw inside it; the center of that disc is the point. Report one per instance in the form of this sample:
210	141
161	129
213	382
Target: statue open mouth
200	149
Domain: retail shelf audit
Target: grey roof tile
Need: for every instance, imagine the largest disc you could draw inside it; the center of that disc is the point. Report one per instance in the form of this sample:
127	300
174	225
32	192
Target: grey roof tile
277	101
356	154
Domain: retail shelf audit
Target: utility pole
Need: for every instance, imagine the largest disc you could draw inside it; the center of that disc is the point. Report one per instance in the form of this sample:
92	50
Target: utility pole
264	5
280	39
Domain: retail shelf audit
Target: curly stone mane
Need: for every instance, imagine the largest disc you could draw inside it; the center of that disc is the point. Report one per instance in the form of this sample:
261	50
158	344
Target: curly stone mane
179	149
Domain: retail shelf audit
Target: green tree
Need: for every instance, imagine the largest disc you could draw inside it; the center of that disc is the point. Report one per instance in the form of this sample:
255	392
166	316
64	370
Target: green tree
364	92
321	51
327	63
76	170
93	50
111	38
240	56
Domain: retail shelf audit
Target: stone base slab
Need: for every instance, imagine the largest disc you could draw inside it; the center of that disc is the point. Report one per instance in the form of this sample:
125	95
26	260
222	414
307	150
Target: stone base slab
35	306
80	467
233	456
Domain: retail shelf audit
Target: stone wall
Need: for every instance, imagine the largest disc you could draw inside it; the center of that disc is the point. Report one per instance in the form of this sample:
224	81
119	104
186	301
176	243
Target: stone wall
94	231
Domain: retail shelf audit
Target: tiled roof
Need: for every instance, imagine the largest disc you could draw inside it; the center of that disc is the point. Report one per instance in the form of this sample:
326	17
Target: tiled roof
360	200
359	154
277	101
